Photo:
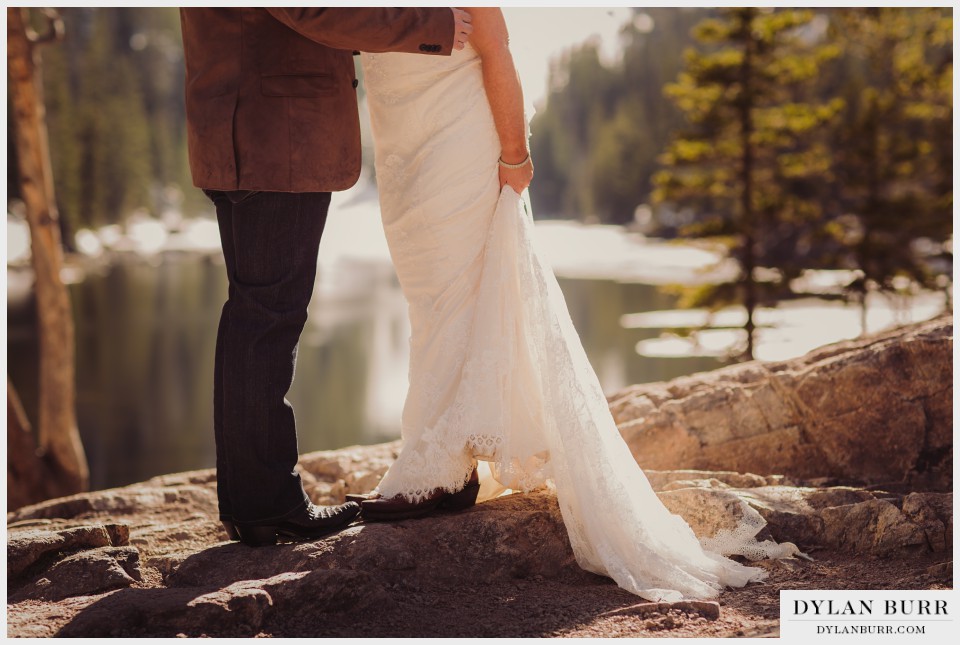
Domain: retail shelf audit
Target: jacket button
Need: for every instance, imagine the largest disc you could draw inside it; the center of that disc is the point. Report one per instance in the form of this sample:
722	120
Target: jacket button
355	83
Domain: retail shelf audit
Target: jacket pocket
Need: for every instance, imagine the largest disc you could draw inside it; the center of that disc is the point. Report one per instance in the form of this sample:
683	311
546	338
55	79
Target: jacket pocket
297	85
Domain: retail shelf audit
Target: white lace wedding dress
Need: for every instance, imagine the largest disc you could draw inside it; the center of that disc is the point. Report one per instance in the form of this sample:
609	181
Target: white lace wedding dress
497	370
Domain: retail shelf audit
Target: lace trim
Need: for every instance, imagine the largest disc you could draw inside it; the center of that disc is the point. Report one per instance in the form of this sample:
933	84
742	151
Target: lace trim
484	446
742	539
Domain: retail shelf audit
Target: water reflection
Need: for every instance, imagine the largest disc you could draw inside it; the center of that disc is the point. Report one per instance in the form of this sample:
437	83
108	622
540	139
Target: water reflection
146	334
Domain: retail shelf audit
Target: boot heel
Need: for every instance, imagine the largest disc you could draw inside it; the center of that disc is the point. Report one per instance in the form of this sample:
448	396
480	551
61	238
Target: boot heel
231	530
258	535
461	499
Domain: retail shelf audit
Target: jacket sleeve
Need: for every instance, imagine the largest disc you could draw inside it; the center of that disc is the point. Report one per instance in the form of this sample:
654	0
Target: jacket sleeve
373	29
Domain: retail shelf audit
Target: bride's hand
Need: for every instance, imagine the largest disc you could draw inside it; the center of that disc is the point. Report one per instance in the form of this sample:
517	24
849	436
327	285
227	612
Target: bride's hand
517	178
462	28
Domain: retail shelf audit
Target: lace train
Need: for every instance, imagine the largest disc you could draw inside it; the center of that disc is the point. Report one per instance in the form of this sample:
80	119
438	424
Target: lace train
497	370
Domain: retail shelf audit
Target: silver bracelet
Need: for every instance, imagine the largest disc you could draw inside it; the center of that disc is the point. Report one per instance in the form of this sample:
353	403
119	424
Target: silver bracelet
514	166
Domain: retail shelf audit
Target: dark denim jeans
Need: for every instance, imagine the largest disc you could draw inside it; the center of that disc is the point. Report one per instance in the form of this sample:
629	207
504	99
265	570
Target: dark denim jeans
270	242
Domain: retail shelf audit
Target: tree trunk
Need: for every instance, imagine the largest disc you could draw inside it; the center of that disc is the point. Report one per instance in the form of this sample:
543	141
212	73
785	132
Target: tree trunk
25	470
748	224
31	476
59	441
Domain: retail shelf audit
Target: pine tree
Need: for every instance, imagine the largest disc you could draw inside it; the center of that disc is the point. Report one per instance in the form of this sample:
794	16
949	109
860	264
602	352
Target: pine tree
625	151
64	152
752	163
596	141
116	113
893	147
563	134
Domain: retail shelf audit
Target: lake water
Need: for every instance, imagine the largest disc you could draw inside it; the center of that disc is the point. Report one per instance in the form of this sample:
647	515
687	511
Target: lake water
146	331
146	334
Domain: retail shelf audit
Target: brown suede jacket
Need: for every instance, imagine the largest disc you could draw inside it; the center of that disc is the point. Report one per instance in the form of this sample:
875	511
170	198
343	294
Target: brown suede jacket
271	92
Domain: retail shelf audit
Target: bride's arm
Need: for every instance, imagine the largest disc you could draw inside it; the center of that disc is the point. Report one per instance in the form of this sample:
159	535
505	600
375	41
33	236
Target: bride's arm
504	93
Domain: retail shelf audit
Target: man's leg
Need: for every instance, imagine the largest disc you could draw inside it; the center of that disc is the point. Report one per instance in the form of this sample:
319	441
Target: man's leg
224	219
275	238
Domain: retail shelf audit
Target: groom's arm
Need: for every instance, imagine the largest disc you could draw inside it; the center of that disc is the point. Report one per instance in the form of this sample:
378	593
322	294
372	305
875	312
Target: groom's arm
374	29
